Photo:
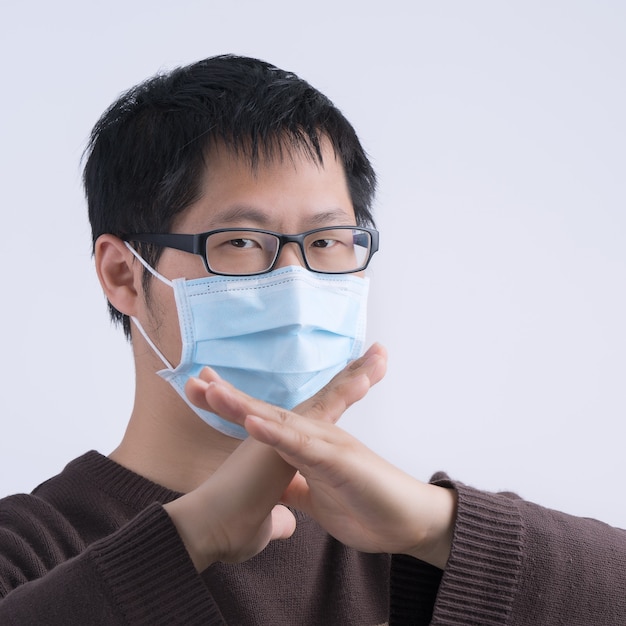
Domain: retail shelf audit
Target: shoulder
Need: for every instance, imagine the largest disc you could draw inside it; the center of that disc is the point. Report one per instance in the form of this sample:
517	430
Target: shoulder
62	515
39	527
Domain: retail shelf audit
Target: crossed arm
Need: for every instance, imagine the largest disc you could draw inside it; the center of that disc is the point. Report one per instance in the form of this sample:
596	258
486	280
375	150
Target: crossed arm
510	562
301	458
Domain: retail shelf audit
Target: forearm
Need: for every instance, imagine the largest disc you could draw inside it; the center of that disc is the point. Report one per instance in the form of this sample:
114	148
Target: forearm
230	517
138	574
234	514
515	562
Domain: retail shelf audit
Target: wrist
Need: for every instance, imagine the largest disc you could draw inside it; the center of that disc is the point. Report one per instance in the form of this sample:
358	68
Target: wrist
438	509
187	523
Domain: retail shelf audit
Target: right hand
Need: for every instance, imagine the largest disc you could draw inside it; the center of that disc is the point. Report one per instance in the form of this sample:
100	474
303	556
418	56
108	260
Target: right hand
234	514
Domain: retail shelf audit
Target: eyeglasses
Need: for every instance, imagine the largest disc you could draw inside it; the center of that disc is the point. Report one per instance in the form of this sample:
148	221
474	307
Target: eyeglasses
250	251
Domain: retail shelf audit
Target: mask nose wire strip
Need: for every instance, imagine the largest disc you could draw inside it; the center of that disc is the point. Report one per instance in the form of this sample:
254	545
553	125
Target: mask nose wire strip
135	321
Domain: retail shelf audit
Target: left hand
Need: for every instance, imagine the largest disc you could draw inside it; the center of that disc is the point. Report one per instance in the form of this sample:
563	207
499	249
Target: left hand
234	514
357	496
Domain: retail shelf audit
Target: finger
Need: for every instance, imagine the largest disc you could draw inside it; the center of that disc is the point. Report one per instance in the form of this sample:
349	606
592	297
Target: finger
218	396
372	363
210	392
347	387
283	522
328	404
222	398
297	493
302	442
196	386
376	369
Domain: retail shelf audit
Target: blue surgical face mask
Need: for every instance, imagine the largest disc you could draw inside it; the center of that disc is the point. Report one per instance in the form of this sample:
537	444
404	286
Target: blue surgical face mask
279	337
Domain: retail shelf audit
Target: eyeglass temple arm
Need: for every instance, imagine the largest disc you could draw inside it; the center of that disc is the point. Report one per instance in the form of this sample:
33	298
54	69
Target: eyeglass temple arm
186	243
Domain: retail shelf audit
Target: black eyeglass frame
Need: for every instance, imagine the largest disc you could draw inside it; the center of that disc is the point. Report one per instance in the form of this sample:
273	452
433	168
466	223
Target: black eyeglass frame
196	244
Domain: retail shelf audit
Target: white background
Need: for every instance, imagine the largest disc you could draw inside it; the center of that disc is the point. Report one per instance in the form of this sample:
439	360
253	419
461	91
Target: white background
498	131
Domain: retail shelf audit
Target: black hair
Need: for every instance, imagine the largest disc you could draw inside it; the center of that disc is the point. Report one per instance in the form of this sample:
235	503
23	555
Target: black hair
146	156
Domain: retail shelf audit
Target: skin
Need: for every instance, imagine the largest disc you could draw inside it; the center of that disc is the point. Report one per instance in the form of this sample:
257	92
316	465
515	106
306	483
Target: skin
231	507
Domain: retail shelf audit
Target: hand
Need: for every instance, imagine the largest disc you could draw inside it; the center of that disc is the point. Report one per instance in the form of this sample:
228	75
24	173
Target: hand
233	515
358	497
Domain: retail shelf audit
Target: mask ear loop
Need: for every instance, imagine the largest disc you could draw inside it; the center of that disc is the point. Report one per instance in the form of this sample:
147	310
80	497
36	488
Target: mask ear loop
149	267
135	321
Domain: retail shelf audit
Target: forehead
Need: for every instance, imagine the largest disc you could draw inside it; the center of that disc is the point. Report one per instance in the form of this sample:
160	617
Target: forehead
288	188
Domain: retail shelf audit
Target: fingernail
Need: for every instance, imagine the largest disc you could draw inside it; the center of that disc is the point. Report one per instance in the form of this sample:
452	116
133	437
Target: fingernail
202	383
210	372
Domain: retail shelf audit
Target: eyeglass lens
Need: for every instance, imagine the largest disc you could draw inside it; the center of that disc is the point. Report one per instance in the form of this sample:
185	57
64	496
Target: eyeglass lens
248	252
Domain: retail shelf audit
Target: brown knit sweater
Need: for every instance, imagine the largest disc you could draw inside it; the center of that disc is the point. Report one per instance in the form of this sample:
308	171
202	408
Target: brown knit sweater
94	546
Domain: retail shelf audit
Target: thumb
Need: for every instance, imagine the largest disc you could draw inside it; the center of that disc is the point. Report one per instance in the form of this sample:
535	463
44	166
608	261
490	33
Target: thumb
297	493
283	522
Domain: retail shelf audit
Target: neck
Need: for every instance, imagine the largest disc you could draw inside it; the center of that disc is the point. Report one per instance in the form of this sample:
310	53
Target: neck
166	442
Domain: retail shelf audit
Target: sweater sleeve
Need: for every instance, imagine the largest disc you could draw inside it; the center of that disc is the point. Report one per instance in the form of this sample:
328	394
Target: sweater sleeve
517	563
140	574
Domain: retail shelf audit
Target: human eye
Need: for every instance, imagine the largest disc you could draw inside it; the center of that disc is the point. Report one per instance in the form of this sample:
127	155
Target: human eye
240	251
332	238
331	250
242	243
231	241
323	243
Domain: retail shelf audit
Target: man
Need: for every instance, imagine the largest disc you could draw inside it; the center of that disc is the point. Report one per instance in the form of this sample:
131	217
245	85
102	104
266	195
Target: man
230	207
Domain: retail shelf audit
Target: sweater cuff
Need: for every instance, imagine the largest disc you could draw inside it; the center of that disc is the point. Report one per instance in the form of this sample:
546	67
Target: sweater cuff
481	577
150	575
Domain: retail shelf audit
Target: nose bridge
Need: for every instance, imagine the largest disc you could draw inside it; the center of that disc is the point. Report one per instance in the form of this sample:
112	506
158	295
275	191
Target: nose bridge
290	254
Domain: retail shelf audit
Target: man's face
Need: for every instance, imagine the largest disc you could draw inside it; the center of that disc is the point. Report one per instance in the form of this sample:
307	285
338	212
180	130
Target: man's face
291	195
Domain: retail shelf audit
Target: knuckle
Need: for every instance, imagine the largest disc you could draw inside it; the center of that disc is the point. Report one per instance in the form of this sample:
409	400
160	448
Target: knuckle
284	416
354	365
318	406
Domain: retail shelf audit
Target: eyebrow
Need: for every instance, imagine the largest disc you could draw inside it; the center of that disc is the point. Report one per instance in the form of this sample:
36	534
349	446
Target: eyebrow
332	215
254	215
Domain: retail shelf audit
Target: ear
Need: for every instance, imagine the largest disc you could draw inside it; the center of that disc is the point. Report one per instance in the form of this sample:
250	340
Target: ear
118	273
